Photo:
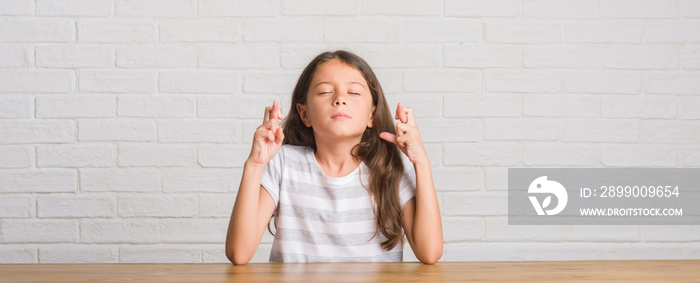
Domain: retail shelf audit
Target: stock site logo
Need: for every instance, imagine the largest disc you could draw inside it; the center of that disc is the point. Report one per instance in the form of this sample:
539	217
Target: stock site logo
543	186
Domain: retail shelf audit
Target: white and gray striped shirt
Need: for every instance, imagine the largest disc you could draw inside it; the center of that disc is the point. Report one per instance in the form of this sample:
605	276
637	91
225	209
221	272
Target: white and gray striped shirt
323	218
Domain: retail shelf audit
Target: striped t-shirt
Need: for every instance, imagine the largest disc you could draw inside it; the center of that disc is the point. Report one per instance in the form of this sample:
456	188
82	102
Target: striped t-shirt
322	218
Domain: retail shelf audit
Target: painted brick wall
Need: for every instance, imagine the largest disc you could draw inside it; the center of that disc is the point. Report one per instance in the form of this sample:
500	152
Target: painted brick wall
124	124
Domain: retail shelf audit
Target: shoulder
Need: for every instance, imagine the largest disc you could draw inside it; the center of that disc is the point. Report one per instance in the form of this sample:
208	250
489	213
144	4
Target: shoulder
294	152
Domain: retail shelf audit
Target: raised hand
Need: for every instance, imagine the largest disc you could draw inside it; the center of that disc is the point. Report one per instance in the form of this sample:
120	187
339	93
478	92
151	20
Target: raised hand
407	136
268	137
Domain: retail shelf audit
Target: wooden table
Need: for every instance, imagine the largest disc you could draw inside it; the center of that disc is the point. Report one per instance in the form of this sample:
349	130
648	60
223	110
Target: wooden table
622	271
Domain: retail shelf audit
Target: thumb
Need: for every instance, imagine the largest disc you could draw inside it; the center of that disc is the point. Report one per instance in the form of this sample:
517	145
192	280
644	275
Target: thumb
388	137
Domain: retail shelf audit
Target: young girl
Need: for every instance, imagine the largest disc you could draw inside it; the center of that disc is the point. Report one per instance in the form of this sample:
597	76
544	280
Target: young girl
334	176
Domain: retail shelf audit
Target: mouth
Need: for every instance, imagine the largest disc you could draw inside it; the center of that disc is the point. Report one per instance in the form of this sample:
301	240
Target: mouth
339	116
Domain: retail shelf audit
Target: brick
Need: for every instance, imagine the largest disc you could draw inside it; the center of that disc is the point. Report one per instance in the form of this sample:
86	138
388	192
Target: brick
39	231
116	130
82	205
239	106
116	31
160	254
687	132
568	155
600	130
523	81
283	30
424	106
223	155
483	251
638	251
690	8
644	9
36	131
621	82
38	81
402	8
660	107
556	105
245	8
16	106
521	129
426	80
78	254
157	8
690	58
37	30
239	56
603	32
576	9
495	178
39	181
200	82
497	229
691	108
15	56
482	154
457	179
120	180
450	130
157	155
680	233
198	131
562	251
157	205
482	8
671	32
295	56
145	56
71	56
561	56
16	8
320	7
475	203
74	8
76	106
216	205
117	81
372	31
215	30
18	254
460	229
485	105
17	206
156	106
75	155
14	156
482	56
391	81
518	31
395	56
201	180
113	231
190	230
269	82
673	83
638	156
443	30
640	57
691	156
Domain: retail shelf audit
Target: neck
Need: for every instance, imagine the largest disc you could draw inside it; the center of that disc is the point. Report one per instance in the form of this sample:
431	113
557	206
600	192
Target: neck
335	157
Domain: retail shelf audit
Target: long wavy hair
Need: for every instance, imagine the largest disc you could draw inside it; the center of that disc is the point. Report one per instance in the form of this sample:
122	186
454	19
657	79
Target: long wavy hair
383	158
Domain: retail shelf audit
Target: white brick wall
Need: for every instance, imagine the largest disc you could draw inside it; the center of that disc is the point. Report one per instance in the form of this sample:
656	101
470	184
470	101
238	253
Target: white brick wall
124	124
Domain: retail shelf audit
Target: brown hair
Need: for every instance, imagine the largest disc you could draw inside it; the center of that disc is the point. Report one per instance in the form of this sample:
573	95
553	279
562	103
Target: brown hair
383	158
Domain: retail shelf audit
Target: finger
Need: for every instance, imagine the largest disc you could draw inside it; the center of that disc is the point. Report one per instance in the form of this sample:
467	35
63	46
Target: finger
401	129
279	136
388	137
276	110
410	118
400	113
267	114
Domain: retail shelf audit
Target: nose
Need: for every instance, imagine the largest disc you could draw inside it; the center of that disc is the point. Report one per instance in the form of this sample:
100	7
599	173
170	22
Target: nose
340	99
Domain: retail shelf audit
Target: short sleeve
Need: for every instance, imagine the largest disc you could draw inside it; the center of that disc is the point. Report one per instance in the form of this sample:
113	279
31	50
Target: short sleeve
272	176
407	187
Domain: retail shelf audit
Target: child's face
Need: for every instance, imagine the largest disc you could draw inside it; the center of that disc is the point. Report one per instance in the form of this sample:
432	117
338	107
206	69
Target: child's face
339	102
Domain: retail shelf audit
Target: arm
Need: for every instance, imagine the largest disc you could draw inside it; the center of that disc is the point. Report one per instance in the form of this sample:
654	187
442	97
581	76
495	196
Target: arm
422	221
254	206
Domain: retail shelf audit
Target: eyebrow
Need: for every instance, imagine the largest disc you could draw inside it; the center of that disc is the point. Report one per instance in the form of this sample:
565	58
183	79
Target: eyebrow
330	83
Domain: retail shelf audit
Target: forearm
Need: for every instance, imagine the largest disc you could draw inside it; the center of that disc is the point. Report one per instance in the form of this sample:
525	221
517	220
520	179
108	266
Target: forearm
242	235
427	223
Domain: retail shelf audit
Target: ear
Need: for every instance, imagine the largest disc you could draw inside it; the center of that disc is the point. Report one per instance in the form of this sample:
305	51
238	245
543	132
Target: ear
301	108
370	122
